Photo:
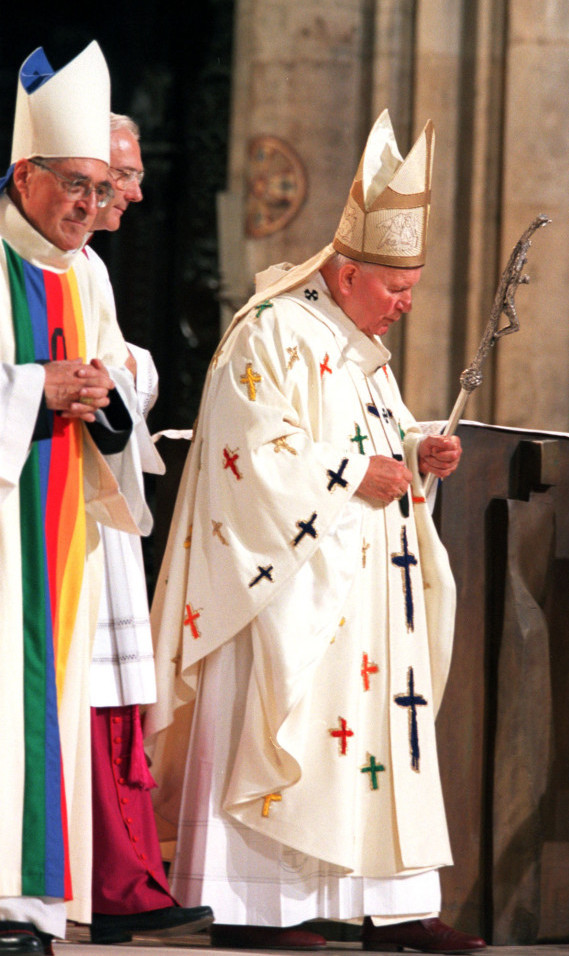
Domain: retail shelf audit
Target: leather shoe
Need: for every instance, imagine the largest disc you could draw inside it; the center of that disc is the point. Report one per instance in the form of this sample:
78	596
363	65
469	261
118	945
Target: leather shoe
19	938
264	937
426	935
170	921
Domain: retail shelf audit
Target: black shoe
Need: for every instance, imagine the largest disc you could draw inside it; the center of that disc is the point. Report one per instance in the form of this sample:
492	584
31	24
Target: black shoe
170	921
19	938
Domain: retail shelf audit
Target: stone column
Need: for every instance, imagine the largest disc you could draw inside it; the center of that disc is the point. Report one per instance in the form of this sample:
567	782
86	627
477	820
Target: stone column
305	89
458	84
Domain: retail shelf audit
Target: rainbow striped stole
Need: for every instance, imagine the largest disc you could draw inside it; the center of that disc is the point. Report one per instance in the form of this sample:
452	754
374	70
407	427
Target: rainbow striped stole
48	325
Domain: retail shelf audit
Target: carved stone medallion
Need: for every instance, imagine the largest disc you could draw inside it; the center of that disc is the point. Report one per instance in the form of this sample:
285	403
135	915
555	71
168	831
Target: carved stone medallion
277	186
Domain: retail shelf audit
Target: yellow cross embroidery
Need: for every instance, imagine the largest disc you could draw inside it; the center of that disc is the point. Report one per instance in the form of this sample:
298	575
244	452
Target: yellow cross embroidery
294	356
250	379
216	531
365	546
282	443
188	540
267	802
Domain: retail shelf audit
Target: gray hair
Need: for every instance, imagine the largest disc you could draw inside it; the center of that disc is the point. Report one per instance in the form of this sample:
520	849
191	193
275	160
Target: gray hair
120	121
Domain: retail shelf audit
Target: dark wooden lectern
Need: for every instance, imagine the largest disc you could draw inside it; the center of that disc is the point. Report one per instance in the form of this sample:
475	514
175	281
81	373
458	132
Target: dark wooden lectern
503	729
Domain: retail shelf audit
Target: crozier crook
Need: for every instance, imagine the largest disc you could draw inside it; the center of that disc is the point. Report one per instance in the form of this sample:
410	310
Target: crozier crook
504	303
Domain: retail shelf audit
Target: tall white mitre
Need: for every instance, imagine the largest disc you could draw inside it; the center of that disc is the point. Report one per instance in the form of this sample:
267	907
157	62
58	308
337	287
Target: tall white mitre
63	113
386	216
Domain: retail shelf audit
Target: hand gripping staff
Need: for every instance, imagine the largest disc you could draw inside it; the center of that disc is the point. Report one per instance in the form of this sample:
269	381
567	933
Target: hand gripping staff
503	303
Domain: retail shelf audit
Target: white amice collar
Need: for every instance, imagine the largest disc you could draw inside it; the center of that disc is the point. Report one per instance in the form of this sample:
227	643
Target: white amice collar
28	242
368	352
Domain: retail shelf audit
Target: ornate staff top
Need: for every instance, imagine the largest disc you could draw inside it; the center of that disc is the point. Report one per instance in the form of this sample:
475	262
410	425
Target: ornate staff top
503	303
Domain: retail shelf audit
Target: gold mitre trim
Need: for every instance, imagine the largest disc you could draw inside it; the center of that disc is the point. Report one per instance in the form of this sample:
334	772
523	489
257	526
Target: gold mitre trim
391	229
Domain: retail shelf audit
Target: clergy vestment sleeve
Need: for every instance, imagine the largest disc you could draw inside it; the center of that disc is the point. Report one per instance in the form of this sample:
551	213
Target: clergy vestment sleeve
114	487
21	390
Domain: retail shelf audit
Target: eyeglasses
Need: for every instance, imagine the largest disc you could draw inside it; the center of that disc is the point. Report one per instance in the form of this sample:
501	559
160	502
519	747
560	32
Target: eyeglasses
126	176
81	187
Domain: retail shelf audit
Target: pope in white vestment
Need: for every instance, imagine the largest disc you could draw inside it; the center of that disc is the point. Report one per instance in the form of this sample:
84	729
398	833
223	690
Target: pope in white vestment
312	620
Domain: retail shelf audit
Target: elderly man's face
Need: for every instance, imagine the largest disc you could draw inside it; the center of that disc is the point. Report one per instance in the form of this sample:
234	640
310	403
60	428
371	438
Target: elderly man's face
64	222
126	161
379	296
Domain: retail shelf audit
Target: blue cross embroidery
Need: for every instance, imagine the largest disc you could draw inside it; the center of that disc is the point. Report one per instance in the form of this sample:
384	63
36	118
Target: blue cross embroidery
336	476
404	561
311	294
411	700
263	573
306	527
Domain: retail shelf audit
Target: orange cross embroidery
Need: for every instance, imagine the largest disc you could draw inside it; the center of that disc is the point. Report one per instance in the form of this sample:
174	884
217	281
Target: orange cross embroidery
267	802
366	670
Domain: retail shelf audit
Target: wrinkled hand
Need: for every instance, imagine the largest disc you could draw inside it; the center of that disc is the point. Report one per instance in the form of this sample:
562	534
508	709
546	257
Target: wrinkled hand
386	479
439	455
75	389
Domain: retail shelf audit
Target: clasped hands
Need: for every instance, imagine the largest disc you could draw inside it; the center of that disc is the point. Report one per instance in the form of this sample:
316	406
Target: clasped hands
387	479
76	390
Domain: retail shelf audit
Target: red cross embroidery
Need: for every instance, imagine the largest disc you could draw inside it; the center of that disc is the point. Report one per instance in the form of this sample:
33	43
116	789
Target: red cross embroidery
191	618
230	459
324	367
342	734
366	670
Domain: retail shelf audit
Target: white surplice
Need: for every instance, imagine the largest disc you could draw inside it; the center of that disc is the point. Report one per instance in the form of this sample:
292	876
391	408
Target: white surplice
122	664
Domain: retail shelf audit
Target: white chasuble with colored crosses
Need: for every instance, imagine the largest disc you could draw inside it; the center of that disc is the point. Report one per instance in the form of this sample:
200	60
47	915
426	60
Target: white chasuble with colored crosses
337	754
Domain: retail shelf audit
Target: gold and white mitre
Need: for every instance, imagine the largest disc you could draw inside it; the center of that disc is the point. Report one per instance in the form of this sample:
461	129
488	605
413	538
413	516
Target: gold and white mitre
385	218
63	113
387	213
